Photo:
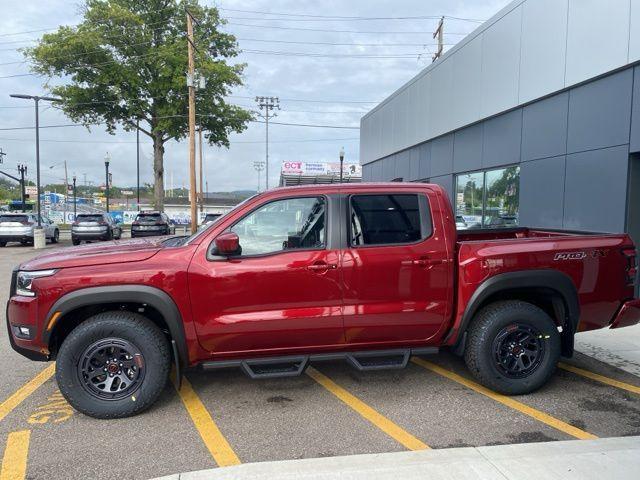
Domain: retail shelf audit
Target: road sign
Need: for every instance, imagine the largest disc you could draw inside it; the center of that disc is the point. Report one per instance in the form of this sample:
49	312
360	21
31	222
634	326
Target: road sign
31	190
127	192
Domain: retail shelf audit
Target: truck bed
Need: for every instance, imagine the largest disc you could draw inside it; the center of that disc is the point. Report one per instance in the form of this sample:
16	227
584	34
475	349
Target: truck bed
595	263
482	234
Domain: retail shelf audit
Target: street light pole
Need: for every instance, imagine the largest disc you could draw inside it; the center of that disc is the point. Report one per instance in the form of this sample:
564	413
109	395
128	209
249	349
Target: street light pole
75	200
341	162
36	99
106	184
23	171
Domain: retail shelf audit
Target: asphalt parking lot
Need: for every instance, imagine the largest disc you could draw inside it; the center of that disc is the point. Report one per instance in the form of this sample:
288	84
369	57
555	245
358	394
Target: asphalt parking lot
223	418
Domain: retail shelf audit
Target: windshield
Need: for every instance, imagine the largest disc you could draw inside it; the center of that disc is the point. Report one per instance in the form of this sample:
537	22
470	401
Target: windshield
209	225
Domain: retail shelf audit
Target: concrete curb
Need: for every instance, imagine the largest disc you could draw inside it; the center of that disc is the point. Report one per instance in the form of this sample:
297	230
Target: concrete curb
606	458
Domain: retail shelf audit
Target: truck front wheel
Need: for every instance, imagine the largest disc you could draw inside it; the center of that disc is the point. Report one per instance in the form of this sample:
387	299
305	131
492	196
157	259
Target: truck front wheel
113	365
512	347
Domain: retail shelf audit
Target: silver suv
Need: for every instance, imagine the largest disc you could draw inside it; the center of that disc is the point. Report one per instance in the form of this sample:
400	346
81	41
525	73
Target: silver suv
18	227
95	226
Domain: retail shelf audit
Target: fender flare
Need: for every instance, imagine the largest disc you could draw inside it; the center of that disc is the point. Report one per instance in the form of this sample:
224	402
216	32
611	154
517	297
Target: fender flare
151	296
546	279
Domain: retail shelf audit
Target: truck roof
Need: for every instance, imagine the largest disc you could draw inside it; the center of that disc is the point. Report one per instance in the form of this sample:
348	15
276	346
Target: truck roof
351	187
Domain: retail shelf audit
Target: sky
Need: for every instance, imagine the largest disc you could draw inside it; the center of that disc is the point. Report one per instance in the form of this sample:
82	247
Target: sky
374	59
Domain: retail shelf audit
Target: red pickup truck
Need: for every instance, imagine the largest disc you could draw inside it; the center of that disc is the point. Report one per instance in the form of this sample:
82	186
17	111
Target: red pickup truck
370	273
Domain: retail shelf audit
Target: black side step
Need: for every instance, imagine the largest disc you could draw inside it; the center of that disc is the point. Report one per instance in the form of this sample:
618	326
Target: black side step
294	365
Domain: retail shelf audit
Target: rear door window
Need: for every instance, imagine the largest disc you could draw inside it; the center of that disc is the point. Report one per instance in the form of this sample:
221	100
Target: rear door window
89	218
149	217
389	219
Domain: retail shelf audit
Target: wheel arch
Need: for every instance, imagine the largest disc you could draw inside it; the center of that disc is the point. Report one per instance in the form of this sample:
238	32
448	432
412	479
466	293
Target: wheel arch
76	306
551	290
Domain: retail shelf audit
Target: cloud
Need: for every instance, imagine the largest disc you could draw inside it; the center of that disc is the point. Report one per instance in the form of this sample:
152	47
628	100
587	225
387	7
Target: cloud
331	79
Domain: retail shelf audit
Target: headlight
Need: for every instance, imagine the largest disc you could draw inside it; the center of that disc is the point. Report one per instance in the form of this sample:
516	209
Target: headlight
24	282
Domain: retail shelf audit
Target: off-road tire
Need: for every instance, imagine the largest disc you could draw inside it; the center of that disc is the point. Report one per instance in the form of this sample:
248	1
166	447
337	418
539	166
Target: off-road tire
130	327
480	355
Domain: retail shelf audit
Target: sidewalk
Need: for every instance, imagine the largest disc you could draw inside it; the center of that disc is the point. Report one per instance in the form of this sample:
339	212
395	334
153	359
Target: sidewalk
620	348
606	458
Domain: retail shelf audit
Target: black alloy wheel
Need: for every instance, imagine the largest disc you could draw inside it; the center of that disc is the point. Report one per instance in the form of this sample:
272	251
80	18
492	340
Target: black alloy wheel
111	369
518	350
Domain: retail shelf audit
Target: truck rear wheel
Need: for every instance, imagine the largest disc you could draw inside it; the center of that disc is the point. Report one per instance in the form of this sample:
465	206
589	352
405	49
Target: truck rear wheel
512	347
113	365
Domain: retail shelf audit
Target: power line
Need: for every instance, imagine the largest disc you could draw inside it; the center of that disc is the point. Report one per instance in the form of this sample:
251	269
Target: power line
277	27
126	142
339	17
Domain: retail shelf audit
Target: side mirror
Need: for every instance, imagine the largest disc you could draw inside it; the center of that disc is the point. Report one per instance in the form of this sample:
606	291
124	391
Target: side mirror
228	244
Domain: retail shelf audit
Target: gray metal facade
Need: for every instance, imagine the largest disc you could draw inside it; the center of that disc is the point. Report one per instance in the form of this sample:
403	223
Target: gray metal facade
573	148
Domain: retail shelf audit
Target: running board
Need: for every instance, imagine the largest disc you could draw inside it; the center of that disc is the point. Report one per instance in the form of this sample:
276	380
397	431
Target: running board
294	365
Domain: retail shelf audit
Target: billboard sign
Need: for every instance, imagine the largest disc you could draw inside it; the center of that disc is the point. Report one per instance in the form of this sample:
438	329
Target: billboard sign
312	169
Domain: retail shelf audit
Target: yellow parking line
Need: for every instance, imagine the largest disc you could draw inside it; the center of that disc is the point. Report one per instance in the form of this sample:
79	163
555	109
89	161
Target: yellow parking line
600	378
508	401
211	435
14	461
383	423
27	389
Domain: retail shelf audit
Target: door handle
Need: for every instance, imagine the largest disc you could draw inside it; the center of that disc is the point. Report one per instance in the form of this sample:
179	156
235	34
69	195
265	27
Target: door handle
423	262
322	267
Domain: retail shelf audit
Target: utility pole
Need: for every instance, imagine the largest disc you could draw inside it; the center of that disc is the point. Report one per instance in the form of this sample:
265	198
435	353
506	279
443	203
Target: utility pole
268	104
192	122
200	175
440	34
138	162
258	166
2	155
23	171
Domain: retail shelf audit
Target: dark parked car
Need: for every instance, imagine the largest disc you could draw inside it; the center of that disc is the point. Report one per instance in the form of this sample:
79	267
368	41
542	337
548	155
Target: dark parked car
94	226
152	223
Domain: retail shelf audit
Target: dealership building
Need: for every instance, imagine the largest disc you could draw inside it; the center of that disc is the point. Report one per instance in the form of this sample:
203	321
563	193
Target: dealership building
532	119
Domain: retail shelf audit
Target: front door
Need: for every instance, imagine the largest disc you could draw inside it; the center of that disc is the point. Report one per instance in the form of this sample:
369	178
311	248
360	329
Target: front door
282	292
396	269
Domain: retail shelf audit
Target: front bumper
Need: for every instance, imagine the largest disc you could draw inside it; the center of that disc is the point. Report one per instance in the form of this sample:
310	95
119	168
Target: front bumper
628	315
29	348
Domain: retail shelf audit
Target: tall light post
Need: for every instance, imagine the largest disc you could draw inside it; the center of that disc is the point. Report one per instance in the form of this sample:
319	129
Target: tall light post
36	99
23	171
75	200
268	104
107	158
341	162
258	166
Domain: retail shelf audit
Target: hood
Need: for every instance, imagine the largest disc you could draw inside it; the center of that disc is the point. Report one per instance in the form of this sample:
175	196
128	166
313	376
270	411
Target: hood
96	254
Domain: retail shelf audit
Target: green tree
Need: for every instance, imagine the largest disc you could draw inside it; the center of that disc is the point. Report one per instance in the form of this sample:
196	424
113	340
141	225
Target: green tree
126	62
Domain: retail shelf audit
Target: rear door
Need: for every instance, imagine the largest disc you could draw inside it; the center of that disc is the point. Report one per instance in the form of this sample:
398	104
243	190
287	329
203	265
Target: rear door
396	269
283	291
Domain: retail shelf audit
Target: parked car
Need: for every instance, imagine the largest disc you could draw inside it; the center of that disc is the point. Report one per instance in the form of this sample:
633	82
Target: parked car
18	227
372	273
152	223
208	219
94	226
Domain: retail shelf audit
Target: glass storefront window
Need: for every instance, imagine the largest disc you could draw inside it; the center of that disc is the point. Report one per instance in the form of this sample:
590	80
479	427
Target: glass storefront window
488	199
469	199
